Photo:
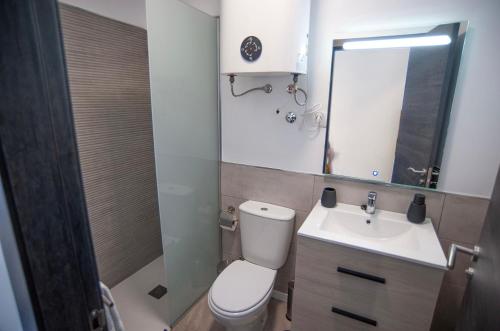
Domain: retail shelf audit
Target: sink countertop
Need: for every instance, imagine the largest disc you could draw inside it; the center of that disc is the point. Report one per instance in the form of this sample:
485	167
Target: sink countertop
386	233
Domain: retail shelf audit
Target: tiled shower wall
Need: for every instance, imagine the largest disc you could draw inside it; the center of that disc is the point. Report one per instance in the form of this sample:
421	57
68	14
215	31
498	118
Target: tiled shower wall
456	218
108	73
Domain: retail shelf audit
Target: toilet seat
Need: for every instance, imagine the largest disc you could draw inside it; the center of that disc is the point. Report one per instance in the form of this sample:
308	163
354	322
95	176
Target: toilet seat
241	289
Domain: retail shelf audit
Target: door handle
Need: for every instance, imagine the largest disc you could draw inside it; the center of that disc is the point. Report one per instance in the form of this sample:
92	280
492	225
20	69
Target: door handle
452	255
354	273
421	172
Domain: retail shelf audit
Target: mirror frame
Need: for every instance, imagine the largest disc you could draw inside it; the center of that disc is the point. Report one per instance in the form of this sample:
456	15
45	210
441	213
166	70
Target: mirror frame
458	45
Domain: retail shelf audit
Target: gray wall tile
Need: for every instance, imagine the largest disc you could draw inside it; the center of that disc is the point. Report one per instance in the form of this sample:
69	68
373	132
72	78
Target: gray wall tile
108	73
462	218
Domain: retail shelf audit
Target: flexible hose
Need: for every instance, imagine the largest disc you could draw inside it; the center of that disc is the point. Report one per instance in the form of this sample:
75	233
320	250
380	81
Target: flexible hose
266	88
295	97
292	88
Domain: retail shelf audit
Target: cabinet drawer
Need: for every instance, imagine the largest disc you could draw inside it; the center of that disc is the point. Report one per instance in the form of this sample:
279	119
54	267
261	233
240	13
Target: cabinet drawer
398	295
389	310
321	262
313	313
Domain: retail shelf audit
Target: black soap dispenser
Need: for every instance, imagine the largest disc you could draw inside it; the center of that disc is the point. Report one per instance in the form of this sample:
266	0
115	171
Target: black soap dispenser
416	211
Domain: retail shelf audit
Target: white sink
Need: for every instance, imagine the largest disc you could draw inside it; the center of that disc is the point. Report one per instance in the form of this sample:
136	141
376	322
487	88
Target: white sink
384	232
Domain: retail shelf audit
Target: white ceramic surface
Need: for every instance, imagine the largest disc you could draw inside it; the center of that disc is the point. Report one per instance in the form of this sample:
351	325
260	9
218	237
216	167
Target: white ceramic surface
266	232
384	232
241	286
239	296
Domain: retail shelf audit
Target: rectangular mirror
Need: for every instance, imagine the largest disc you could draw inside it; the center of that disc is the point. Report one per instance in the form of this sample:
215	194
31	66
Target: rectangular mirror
390	101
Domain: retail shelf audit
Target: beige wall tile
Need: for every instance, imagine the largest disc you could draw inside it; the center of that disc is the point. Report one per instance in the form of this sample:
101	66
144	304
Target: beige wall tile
231	241
292	190
389	198
287	272
462	218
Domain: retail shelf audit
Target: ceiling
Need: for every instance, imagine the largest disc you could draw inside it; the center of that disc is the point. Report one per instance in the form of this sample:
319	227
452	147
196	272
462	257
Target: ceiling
134	11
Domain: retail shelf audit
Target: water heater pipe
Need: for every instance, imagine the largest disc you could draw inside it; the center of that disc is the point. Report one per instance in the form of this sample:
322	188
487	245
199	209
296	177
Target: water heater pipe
293	89
266	88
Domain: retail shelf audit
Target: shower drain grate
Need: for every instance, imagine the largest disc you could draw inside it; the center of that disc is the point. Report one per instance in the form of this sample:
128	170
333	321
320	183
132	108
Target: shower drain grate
158	292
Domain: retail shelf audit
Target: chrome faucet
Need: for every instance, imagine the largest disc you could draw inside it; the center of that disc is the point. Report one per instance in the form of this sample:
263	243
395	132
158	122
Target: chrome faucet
370	205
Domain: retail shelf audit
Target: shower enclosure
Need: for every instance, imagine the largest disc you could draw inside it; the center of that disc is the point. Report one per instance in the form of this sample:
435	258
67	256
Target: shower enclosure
183	60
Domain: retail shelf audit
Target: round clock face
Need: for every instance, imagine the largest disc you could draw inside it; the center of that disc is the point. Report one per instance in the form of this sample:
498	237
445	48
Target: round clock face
251	48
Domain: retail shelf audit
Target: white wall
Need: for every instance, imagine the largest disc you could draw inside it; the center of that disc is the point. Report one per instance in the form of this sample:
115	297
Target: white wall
253	134
367	97
128	11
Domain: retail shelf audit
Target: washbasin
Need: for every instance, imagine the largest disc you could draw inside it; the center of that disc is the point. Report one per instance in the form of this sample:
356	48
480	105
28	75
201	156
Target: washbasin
384	232
379	226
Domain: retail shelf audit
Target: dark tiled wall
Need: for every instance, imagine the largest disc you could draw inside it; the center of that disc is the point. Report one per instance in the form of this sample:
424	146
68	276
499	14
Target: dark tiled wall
456	218
108	72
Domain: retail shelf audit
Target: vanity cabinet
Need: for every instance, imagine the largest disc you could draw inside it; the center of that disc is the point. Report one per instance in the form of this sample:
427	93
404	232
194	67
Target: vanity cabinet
341	288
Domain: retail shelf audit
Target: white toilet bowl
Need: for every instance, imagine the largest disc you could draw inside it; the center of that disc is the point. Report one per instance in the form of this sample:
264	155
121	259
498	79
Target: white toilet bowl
239	296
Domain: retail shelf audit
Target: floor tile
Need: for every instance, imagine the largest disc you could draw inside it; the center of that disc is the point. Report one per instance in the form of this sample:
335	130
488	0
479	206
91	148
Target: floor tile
200	318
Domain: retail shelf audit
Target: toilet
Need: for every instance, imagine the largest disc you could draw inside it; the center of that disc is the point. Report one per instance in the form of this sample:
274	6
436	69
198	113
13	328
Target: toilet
239	296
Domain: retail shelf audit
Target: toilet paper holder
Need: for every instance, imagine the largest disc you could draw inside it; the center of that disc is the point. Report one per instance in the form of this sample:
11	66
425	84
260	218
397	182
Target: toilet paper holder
228	219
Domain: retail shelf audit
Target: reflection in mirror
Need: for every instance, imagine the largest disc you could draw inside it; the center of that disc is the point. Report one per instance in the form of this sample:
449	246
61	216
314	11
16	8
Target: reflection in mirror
390	100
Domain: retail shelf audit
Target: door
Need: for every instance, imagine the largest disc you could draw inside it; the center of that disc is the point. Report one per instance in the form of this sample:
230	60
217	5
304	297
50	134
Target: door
423	116
182	44
481	304
40	170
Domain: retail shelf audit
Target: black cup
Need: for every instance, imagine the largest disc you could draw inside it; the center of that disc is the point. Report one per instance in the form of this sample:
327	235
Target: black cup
329	197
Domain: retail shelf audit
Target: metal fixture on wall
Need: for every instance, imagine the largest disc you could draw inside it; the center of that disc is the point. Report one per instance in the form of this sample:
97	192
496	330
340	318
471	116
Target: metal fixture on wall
291	117
293	89
266	88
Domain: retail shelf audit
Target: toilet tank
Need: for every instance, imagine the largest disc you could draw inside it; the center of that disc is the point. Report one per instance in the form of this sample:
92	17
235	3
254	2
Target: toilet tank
266	232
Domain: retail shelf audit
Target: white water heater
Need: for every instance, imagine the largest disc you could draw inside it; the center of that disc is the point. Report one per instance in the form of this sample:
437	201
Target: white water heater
264	37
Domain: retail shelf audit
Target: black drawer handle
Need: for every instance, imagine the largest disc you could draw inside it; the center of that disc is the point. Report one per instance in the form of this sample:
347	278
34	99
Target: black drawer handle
354	316
361	275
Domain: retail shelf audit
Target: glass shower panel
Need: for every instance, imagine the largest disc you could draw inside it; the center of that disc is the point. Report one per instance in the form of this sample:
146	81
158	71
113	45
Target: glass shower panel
182	44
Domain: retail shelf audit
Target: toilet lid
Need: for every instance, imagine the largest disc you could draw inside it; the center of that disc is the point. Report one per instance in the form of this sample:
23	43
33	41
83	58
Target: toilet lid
241	286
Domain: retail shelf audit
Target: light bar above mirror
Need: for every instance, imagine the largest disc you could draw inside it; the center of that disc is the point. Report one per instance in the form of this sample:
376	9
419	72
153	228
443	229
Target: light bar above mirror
398	42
